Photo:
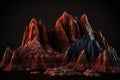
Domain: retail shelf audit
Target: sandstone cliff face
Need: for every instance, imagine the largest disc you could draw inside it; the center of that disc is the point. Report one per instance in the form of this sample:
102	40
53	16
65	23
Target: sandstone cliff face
71	44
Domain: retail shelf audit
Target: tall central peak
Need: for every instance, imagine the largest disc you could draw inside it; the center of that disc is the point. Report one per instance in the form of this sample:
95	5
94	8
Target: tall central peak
86	25
35	31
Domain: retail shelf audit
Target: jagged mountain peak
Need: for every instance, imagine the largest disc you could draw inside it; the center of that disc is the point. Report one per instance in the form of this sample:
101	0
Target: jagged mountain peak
64	15
42	48
35	30
84	18
33	22
86	27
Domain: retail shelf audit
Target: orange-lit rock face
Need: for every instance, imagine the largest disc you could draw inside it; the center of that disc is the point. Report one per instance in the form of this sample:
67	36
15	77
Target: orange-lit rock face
82	62
31	32
85	25
101	39
67	22
79	64
106	62
42	48
35	31
61	37
65	31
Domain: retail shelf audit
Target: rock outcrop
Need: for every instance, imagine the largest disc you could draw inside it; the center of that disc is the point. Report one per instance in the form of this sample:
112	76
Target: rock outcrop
6	58
107	61
91	73
61	72
35	51
82	62
98	55
72	44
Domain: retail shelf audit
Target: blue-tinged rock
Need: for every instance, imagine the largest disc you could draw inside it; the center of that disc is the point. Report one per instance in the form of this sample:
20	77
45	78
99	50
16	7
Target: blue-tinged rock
89	44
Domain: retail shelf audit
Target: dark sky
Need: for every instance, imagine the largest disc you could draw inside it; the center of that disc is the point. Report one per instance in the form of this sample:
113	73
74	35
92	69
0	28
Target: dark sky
15	15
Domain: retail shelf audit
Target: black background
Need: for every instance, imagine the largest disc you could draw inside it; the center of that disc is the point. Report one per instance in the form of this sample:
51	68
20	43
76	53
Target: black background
15	15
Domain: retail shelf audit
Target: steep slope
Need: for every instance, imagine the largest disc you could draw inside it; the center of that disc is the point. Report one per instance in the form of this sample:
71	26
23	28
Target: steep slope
82	62
72	44
98	55
79	64
35	51
6	58
107	61
87	42
66	32
31	32
91	47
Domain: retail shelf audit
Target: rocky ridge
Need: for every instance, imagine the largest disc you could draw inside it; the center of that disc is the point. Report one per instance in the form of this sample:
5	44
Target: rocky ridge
71	44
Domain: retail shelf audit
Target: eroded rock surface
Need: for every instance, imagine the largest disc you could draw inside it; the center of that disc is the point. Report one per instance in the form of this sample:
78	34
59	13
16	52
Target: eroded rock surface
72	45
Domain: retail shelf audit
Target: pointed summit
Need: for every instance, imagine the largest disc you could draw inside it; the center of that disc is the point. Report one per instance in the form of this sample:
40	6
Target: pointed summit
41	48
33	22
85	25
64	19
35	31
67	23
65	13
64	16
31	32
82	62
6	58
84	19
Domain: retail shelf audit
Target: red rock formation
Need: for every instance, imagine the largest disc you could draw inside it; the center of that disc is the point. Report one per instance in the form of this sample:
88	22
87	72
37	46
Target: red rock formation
66	30
61	37
35	31
34	50
31	32
85	25
99	37
14	63
107	61
42	48
6	58
82	62
79	64
68	24
33	56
